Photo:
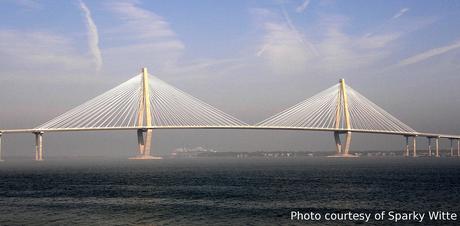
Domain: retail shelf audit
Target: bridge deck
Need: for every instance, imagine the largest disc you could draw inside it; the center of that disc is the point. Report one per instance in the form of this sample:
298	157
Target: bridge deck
433	135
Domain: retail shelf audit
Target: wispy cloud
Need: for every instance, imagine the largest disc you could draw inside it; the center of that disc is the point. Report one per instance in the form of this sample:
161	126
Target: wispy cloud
289	51
306	43
29	50
140	23
303	6
93	36
400	13
282	48
29	4
282	45
143	35
374	41
429	54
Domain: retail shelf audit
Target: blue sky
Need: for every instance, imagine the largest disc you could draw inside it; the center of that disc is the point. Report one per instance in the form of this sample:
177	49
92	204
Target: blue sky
226	30
251	59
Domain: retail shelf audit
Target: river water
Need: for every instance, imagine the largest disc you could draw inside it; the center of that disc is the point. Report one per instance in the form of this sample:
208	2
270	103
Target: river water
211	191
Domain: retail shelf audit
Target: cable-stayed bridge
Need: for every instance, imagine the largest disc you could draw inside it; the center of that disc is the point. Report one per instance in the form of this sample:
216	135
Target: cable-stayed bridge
145	103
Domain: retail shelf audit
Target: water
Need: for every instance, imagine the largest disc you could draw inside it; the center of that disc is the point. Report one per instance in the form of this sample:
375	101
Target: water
223	191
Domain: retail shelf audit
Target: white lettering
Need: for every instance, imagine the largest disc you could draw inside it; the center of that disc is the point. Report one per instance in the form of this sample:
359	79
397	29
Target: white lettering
297	215
441	215
349	216
411	216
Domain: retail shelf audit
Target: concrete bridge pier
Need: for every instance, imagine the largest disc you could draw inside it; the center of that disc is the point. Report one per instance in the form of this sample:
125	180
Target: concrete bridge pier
144	140
406	147
38	146
1	159
347	143
429	146
338	143
451	147
458	147
140	141
342	150
437	146
414	146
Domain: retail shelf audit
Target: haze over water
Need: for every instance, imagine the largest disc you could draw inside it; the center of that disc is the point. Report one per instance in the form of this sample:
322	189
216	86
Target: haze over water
211	191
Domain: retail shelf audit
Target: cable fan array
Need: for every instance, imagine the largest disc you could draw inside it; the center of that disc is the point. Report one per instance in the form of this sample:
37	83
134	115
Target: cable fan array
320	112
315	112
119	107
366	115
171	107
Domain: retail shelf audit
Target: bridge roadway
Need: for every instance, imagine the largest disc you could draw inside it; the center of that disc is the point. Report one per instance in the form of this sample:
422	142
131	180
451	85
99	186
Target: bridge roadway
411	134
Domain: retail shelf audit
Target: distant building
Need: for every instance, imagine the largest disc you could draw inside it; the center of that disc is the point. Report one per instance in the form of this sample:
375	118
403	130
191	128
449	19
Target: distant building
191	152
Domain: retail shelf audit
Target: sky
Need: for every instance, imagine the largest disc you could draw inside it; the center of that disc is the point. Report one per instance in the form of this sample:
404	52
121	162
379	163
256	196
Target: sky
251	59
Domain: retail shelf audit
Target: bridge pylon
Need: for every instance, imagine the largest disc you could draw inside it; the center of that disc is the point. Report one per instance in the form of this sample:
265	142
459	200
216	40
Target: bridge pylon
144	136
342	120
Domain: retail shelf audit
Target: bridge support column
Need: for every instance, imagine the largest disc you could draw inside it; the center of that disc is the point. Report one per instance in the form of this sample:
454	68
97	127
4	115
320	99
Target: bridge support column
429	146
414	144
140	141
406	147
1	159
458	147
342	150
148	143
338	143
437	146
451	147
39	146
347	143
144	140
